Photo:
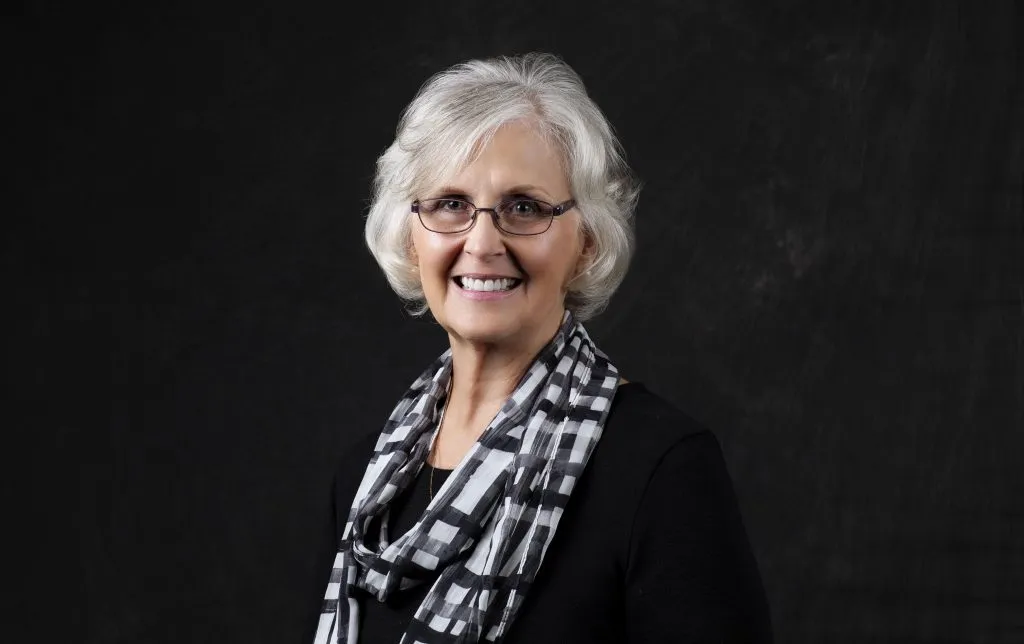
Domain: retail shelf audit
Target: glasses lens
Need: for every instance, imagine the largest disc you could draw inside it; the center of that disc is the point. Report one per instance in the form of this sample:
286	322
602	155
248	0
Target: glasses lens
446	215
525	216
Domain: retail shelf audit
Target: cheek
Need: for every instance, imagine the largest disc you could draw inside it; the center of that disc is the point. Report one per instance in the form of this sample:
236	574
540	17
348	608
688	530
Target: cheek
551	266
433	258
564	252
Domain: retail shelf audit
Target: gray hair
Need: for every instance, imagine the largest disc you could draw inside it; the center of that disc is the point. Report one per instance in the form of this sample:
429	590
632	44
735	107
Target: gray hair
451	119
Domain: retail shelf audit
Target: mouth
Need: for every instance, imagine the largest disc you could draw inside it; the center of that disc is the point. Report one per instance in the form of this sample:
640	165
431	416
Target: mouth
486	284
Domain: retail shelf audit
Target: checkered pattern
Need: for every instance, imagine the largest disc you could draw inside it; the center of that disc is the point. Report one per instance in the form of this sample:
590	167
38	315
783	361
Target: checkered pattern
482	539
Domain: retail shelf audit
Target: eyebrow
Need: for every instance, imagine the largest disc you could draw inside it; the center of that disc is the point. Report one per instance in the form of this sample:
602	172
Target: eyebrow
514	190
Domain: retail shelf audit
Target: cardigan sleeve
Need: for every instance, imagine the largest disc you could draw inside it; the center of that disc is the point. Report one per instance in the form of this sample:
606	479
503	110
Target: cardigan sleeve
690	575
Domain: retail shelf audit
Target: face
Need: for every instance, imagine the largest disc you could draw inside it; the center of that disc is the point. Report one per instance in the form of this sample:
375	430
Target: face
516	162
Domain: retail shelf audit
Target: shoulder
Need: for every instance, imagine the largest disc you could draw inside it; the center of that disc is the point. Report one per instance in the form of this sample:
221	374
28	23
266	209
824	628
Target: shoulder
635	402
648	442
358	454
350	469
644	427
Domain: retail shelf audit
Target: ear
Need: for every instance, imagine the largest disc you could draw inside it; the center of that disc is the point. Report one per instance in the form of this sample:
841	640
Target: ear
587	252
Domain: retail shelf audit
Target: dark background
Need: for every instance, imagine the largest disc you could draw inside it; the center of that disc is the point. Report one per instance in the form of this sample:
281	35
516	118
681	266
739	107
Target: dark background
829	274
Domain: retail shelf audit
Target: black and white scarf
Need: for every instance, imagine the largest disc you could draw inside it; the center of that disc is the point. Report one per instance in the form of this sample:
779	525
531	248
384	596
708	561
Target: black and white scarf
483	537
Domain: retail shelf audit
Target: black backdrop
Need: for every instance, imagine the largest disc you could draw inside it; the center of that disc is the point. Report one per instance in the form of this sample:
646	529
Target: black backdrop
828	274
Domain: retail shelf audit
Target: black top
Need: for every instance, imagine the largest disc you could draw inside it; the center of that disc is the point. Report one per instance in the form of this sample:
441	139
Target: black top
651	547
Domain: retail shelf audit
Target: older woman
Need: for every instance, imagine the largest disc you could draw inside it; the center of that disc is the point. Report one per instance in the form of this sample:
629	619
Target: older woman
522	490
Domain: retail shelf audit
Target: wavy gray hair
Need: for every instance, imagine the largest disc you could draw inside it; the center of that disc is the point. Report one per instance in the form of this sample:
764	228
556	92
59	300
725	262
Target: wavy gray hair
452	118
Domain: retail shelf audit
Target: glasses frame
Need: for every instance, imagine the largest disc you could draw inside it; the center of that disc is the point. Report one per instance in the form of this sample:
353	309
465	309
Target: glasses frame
556	211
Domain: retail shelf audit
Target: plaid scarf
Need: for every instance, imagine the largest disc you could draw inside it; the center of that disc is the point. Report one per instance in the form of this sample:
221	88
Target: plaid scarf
483	537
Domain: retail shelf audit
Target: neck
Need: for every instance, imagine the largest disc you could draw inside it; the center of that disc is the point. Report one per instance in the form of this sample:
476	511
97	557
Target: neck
484	376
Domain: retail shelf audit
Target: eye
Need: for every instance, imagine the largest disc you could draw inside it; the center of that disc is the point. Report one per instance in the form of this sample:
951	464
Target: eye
444	206
524	208
452	205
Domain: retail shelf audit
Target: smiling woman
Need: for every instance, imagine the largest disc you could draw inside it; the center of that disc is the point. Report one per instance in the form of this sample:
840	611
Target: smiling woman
459	271
521	490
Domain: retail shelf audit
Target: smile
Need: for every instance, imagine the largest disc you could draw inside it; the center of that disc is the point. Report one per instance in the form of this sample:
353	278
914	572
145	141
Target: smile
484	285
486	288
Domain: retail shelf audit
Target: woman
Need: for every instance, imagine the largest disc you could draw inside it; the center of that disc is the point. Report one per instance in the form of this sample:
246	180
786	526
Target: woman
522	491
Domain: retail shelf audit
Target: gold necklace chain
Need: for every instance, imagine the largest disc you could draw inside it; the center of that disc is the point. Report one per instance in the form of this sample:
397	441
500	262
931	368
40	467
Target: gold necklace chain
440	421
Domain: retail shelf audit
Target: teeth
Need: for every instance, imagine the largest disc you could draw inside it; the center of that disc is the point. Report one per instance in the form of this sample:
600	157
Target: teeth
473	284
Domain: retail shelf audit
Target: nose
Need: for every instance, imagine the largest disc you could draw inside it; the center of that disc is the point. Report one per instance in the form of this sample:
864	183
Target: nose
484	239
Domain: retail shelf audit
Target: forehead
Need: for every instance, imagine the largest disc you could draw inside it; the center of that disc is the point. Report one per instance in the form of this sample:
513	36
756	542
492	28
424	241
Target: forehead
515	154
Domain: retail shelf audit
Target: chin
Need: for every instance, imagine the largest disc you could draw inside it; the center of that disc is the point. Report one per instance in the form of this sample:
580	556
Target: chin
485	329
484	334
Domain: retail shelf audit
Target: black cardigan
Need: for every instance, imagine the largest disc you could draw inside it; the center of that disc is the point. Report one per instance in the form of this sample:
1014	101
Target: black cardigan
651	547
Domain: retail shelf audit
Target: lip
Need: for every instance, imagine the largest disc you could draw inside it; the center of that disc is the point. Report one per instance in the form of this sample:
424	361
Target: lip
485	295
487	276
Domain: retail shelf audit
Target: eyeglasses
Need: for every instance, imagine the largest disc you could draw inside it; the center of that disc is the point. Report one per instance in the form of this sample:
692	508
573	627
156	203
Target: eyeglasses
519	216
